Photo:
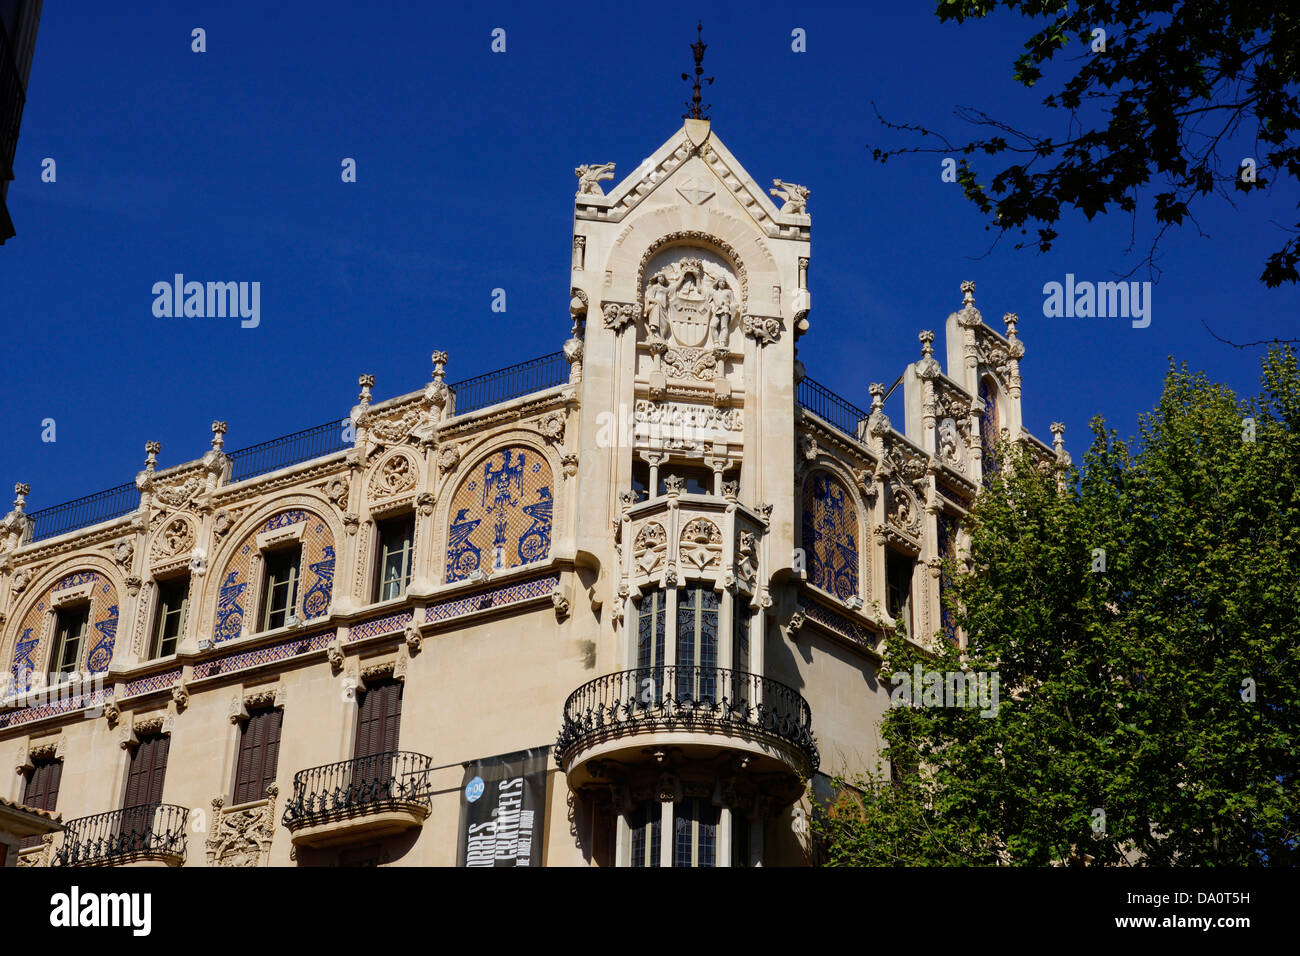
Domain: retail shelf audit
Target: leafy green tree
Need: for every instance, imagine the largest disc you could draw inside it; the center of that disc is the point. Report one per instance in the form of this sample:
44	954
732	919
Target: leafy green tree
1143	120
1149	713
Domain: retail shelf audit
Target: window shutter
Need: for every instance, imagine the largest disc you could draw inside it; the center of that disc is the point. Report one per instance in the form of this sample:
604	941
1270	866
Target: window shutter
133	774
392	714
366	719
162	745
249	759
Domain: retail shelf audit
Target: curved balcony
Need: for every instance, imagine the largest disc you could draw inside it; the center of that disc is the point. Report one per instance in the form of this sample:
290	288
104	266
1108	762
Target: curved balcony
364	797
151	833
639	716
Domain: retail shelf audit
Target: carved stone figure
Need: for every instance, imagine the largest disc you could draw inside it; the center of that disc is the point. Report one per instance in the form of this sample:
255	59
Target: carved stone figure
795	197
656	307
691	302
590	177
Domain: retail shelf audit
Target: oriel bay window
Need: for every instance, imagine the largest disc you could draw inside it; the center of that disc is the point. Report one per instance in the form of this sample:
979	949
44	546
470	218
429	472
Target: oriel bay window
169	622
395	557
280	593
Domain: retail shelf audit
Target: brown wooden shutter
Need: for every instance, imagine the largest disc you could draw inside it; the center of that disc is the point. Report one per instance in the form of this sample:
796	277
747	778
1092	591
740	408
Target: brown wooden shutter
247	765
270	750
42	791
144	782
392	714
367	717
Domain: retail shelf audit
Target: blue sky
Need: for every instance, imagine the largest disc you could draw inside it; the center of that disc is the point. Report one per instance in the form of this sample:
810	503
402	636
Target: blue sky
225	166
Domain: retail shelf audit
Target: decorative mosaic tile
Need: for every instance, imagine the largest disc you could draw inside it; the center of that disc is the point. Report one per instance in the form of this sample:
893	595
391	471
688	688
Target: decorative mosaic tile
830	535
510	594
153	682
29	654
317	562
381	625
837	623
263	655
505	522
25	715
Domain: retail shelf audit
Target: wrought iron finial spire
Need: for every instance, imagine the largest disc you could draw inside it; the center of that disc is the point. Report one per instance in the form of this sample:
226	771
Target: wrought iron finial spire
696	108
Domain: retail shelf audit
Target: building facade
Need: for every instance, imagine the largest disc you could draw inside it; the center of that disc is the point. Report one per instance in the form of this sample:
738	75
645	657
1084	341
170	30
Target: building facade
19	20
614	606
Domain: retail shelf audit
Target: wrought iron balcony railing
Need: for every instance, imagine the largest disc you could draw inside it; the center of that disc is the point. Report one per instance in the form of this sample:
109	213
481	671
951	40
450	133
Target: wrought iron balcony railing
388	781
665	698
155	831
834	409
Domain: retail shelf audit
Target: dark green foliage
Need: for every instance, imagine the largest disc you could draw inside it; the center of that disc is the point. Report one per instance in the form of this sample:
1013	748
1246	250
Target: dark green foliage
1120	691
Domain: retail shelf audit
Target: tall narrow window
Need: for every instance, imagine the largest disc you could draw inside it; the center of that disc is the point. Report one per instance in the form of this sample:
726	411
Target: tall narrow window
990	427
259	754
379	716
650	647
697	643
645	822
173	595
71	634
695	833
740	836
898	588
281	592
144	789
741	693
42	790
396	551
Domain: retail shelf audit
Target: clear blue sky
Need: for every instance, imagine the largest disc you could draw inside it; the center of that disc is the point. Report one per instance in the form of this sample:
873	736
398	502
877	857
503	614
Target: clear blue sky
225	166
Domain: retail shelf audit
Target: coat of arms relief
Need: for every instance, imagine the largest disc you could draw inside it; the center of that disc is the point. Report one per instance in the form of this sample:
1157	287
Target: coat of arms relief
689	308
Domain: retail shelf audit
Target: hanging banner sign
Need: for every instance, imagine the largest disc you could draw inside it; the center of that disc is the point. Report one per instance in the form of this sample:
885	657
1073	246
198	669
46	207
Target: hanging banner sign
503	809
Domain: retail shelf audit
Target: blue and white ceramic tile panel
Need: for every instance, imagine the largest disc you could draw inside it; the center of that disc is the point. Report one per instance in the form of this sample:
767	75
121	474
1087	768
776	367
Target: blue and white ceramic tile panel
313	599
508	594
29	656
382	625
830	535
153	682
25	715
500	514
280	651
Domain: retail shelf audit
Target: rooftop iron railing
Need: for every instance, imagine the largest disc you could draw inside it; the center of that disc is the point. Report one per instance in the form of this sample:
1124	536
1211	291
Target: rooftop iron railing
315	442
835	409
81	512
318	441
155	831
507	383
348	788
663	698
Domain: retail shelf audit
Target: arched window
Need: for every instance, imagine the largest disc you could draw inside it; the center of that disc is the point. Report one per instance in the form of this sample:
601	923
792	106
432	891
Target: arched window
990	426
830	535
291	580
79	616
501	514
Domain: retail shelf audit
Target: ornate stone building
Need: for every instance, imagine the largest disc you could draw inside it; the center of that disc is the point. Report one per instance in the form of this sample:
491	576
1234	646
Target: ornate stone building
651	572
